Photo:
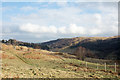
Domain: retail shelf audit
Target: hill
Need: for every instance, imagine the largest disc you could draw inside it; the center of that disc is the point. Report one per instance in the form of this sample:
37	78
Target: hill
26	62
20	43
88	47
100	47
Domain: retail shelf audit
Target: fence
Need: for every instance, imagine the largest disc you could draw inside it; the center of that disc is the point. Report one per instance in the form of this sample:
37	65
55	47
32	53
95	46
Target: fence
111	67
105	66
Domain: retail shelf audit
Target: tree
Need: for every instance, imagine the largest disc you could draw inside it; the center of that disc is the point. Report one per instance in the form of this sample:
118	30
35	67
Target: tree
80	53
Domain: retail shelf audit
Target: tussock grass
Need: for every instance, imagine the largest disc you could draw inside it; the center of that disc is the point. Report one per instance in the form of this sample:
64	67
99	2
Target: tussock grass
49	64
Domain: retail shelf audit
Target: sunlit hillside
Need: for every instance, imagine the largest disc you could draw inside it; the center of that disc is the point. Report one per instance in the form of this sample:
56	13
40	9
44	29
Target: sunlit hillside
26	62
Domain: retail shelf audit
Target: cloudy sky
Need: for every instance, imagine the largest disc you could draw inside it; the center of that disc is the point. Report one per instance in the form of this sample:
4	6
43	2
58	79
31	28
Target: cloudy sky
44	21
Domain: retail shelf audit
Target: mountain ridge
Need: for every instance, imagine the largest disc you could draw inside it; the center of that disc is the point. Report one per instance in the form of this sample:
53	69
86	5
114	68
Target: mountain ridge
70	45
99	47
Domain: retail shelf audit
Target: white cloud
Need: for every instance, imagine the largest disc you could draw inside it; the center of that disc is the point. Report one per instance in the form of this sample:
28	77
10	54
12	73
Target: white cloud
45	16
84	20
65	20
95	31
98	19
74	29
29	28
62	30
71	29
28	8
36	28
52	29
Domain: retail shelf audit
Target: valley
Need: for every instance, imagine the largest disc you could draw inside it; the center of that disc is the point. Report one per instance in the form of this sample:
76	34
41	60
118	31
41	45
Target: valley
63	58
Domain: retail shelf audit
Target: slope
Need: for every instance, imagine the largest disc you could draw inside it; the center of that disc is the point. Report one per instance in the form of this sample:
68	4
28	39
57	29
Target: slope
102	47
24	62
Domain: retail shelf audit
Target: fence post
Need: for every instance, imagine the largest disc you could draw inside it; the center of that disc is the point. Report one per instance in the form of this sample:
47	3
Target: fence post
97	65
14	47
105	66
115	67
86	64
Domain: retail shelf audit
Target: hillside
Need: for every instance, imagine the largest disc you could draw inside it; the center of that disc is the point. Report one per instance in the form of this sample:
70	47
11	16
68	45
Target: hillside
91	47
26	62
66	42
20	43
100	47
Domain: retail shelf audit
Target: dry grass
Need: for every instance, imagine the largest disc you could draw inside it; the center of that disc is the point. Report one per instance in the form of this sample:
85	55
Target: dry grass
36	63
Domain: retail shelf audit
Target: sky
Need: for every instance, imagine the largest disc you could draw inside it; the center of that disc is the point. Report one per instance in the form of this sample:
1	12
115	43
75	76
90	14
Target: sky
45	21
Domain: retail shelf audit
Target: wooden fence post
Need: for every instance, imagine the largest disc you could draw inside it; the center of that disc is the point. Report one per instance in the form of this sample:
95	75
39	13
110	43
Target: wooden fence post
97	65
115	67
14	47
105	66
86	64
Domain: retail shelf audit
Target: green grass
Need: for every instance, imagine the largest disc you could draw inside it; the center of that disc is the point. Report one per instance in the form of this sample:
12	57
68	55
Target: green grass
55	64
64	67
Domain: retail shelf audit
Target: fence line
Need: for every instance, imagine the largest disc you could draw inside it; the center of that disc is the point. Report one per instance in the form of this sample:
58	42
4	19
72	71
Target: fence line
102	67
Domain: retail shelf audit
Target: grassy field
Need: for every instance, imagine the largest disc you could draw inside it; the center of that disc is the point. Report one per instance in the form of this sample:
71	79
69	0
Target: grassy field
23	62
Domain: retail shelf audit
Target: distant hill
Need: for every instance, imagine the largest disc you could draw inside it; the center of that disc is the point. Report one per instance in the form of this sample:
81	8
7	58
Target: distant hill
93	47
99	47
20	43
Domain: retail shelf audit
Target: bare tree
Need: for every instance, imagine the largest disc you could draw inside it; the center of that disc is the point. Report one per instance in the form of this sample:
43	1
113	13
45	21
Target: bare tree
80	53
